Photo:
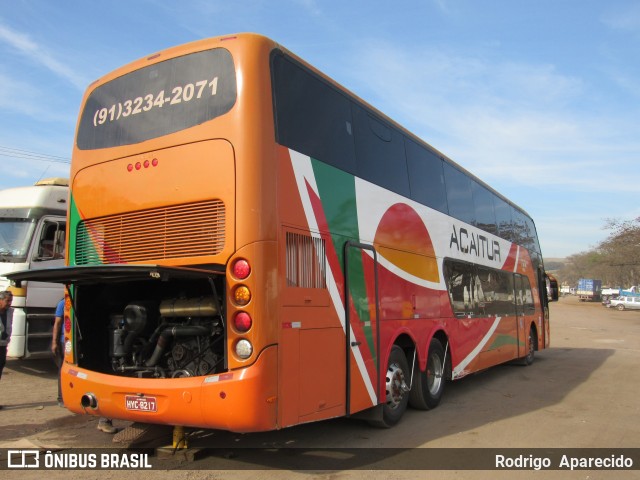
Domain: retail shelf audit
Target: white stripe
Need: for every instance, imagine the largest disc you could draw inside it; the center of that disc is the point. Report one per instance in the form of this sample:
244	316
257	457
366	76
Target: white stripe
474	353
304	174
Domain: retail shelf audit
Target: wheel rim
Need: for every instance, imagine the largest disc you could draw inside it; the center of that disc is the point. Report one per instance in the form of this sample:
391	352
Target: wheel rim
396	386
434	373
530	353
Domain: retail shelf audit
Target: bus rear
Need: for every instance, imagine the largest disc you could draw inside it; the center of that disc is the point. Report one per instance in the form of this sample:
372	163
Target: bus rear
165	252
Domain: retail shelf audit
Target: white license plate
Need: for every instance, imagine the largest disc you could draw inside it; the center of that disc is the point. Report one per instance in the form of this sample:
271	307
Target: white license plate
141	404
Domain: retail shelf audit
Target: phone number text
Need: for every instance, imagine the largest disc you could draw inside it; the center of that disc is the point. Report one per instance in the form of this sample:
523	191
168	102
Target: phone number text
146	103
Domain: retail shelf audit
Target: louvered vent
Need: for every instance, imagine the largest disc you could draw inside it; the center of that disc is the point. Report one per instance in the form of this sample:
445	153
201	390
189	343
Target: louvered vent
190	230
306	261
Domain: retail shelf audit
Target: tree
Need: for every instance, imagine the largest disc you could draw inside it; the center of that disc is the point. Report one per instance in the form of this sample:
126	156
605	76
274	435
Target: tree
615	261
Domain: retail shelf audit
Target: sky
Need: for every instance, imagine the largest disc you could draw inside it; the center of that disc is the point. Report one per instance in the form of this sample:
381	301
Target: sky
540	99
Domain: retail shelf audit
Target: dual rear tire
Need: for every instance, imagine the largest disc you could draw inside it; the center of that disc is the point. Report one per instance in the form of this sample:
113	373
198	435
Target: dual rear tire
427	388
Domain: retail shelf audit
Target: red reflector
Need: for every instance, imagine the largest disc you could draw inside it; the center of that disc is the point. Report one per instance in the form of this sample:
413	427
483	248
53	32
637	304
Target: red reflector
242	321
154	162
67	324
138	165
130	167
241	269
146	164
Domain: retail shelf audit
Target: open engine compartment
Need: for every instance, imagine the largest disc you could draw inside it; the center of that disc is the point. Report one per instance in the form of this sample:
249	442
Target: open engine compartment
152	328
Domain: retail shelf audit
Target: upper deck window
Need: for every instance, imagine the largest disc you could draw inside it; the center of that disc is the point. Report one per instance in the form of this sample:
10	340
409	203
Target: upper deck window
157	100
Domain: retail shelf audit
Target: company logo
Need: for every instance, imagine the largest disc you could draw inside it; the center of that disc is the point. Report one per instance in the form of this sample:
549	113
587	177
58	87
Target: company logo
23	459
475	244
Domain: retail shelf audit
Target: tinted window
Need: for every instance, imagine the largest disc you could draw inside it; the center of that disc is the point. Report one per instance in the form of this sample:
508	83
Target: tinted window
311	117
503	219
460	278
524	295
521	229
484	212
496	290
480	291
459	196
380	152
533	236
426	177
159	99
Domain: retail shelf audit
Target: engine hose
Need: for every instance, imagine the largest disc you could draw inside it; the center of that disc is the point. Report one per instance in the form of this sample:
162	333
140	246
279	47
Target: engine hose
171	332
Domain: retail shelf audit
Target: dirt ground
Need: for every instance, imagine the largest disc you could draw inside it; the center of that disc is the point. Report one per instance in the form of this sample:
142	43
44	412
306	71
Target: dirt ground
581	393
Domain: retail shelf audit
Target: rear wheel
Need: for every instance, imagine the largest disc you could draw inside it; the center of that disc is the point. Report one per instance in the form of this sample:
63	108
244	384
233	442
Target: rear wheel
428	386
397	390
620	307
531	348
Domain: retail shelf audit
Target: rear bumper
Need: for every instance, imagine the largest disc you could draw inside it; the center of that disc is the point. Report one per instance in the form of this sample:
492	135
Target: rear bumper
243	400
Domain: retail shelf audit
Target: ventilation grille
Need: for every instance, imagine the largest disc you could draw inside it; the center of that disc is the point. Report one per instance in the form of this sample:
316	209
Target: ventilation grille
306	261
190	230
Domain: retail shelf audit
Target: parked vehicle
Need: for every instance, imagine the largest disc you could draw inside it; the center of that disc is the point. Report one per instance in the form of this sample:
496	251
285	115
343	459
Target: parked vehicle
32	235
589	290
631	292
623	303
567	290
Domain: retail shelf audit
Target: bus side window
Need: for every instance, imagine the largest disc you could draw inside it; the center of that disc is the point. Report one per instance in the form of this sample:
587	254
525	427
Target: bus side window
462	285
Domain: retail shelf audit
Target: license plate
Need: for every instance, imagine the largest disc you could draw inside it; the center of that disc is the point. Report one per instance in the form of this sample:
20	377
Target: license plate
141	404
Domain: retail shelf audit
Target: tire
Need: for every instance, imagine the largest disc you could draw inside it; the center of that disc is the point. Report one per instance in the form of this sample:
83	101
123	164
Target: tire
531	348
397	390
620	307
428	386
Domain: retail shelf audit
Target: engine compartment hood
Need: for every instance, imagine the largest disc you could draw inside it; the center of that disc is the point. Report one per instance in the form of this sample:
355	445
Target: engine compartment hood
95	274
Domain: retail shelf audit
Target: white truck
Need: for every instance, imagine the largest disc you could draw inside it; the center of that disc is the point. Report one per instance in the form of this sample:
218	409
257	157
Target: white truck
32	235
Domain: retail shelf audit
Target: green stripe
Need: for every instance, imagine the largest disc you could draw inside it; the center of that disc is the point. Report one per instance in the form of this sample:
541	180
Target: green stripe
338	196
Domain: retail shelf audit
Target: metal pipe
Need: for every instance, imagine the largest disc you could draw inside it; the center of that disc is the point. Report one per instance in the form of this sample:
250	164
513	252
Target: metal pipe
189	307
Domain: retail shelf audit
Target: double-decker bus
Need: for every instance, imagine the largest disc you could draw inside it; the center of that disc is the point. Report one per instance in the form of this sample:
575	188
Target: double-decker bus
251	246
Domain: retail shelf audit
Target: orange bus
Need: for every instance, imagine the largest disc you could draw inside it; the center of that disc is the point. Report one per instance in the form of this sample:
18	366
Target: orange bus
251	246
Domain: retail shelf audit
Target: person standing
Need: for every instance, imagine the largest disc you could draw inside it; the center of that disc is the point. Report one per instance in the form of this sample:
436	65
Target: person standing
6	297
57	345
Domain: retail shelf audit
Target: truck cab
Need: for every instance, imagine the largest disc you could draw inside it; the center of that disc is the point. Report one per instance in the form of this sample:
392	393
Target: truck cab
32	235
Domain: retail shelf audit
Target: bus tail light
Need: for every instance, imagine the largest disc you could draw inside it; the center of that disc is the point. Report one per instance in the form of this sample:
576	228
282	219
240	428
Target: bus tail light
241	269
244	349
242	321
242	295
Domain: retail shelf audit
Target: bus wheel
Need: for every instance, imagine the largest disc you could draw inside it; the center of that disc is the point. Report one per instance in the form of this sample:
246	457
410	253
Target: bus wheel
428	386
396	387
531	348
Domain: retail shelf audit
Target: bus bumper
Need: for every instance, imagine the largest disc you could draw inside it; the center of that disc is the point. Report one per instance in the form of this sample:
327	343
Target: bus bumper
243	400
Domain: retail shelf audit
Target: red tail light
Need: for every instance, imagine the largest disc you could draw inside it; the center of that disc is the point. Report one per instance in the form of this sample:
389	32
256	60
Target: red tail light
241	269
242	321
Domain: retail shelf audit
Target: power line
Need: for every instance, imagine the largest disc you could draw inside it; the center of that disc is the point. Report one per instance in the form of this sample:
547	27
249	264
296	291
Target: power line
26	155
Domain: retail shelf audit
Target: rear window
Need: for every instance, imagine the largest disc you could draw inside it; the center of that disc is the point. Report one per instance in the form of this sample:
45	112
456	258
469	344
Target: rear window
158	100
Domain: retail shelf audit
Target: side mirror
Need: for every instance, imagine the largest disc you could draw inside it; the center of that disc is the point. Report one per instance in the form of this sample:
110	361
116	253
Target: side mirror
552	288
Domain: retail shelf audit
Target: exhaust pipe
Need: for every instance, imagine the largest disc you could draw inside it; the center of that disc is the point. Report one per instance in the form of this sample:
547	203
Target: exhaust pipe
89	400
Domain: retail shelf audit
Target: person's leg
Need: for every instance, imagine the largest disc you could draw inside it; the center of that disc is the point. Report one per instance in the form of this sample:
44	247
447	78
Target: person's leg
3	360
59	359
105	425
